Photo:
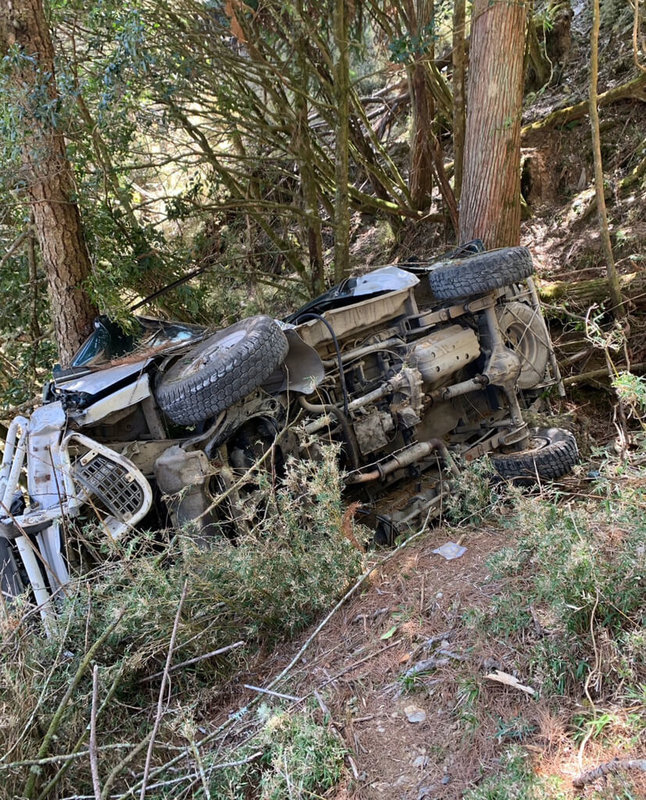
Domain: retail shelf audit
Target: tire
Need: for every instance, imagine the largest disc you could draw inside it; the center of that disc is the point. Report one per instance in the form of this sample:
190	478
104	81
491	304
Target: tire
480	273
221	370
552	454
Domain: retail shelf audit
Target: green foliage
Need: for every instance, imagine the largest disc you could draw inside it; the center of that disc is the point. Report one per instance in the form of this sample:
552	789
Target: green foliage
274	581
408	47
300	759
472	498
581	571
631	390
516	780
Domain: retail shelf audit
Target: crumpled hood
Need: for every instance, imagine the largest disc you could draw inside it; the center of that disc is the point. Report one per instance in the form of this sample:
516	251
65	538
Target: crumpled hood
97	381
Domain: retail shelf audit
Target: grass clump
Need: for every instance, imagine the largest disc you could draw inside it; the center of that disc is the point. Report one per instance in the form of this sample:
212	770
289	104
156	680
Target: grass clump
300	758
515	779
577	574
274	581
472	498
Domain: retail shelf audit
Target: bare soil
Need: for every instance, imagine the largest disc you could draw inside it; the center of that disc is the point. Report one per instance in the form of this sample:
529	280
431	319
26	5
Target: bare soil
413	609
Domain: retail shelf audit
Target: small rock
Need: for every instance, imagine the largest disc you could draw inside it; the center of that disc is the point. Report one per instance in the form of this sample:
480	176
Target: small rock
446	779
415	714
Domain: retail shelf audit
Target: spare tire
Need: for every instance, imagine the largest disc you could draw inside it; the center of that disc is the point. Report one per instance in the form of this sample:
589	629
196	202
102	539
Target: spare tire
552	453
480	273
221	370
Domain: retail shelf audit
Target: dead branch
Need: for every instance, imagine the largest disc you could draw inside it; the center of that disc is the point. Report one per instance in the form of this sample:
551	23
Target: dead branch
583	294
162	691
632	90
602	372
195	660
59	714
424	666
616	765
94	757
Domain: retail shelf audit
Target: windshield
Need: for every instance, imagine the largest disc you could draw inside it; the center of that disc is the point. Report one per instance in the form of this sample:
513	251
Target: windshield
108	341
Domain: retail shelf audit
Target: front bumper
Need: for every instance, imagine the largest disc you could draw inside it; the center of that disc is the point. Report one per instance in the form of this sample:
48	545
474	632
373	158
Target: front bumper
65	473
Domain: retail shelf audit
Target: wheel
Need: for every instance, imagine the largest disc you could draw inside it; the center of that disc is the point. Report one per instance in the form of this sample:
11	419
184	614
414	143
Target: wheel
552	453
525	332
480	273
222	370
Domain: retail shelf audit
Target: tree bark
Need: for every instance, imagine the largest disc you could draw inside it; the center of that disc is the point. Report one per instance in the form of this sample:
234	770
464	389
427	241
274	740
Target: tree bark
459	99
422	106
341	173
490	200
47	173
611	270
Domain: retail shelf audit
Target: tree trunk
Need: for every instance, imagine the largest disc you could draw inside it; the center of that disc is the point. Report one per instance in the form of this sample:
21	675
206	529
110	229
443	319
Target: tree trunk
341	172
459	100
538	67
47	173
490	200
611	270
311	223
423	111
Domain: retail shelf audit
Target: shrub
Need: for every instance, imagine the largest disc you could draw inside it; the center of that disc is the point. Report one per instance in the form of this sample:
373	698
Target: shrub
274	581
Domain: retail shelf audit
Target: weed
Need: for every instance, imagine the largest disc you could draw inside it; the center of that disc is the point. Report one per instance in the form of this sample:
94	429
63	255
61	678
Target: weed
588	724
300	759
513	730
471	499
516	780
631	391
582	573
466	704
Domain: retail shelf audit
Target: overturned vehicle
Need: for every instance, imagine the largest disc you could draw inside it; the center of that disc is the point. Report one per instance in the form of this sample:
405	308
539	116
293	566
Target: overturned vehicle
405	368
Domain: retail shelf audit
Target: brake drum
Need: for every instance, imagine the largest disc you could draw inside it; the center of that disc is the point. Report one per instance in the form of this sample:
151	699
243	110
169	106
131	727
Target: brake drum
525	332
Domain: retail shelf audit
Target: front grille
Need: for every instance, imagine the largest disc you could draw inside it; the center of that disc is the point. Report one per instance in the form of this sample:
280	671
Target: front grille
111	483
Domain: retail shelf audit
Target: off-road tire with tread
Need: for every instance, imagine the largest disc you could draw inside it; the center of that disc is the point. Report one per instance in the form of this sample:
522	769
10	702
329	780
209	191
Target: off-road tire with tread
222	370
553	453
480	273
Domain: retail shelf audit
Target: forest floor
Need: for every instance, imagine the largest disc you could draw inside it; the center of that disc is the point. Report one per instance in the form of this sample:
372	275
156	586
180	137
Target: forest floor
402	673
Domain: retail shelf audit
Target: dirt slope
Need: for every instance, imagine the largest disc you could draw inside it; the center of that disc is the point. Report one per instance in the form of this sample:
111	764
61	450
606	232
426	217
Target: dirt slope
443	731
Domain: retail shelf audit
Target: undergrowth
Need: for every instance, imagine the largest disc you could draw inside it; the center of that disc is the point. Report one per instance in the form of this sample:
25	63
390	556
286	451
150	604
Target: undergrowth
575	589
300	758
569	601
272	583
516	779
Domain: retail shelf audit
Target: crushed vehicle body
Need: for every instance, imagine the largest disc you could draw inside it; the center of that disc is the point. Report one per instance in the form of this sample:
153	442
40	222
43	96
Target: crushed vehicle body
405	368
